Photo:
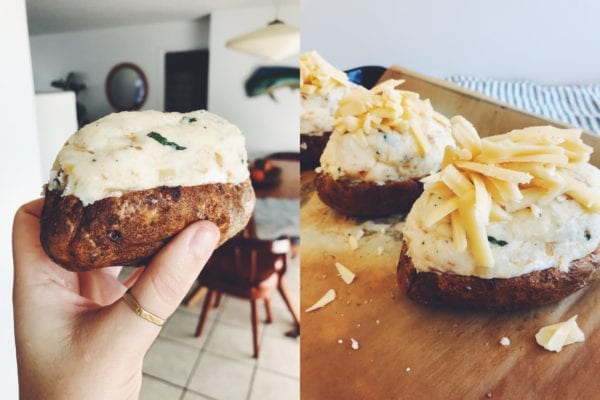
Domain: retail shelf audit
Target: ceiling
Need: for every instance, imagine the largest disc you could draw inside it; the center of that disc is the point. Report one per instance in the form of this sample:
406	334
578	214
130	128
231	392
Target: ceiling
57	16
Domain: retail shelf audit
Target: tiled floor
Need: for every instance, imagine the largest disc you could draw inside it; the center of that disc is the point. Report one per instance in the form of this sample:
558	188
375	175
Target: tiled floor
219	364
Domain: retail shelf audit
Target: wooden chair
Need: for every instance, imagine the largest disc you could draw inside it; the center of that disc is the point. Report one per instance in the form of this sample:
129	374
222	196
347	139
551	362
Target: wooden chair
246	268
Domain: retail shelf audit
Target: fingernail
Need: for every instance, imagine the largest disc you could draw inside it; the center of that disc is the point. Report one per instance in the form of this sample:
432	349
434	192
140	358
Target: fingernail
205	238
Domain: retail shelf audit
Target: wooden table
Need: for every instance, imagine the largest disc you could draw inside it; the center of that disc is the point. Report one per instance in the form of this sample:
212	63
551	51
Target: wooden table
289	187
409	351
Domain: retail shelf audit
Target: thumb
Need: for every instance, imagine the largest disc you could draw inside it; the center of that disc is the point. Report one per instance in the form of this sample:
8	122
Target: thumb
165	281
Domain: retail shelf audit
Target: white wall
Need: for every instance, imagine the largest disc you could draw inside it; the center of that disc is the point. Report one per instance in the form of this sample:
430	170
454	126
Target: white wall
94	52
549	41
268	125
56	117
19	165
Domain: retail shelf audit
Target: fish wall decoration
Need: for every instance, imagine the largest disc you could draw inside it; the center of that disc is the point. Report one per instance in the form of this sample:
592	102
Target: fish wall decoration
267	79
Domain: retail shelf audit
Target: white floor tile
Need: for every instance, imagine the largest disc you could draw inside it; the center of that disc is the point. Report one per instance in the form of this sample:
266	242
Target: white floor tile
280	354
197	307
170	361
221	378
277	299
194	396
181	327
236	311
155	389
283	321
232	341
271	386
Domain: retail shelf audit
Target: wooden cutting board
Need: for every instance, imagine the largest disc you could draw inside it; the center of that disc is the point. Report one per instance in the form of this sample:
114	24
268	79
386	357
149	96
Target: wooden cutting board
409	351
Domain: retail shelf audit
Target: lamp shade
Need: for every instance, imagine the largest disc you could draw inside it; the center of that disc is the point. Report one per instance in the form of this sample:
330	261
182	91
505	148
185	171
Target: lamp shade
274	42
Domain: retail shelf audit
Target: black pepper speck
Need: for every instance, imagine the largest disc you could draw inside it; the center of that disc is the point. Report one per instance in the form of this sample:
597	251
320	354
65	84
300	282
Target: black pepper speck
114	236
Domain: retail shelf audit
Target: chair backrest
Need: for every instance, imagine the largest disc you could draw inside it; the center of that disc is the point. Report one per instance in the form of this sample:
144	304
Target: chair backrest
246	262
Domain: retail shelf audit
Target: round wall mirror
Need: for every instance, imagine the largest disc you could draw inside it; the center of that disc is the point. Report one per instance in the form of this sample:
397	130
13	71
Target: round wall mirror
126	87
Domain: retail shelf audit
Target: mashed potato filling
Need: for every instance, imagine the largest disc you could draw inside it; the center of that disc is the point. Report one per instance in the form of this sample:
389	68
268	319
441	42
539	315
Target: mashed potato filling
322	87
507	205
385	134
316	117
130	151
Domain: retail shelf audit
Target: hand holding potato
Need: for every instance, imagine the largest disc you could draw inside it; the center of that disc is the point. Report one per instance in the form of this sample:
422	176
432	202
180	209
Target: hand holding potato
75	338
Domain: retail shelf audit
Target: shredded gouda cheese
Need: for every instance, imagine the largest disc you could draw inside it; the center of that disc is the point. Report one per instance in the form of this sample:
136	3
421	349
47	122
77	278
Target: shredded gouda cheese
318	76
441	211
456	181
385	109
484	180
459	236
465	134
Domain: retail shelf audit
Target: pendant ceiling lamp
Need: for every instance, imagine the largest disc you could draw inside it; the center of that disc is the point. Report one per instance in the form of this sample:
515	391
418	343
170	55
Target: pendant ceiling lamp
273	42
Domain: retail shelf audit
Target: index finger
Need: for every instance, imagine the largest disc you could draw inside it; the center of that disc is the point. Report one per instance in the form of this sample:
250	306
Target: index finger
29	258
26	225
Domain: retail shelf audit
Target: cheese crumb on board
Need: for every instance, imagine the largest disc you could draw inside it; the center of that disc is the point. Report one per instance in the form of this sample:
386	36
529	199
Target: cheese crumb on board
346	275
505	341
323	301
354	235
354	344
554	337
340	341
353	241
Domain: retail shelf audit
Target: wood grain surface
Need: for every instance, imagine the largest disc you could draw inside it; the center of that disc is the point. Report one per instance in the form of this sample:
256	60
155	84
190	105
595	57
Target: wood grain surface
410	351
288	186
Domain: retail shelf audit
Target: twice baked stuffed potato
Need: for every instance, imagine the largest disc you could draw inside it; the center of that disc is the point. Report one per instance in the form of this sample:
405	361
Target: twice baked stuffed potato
385	140
532	289
124	185
322	86
511	221
358	198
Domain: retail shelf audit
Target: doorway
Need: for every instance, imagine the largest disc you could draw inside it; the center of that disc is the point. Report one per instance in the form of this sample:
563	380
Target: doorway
186	80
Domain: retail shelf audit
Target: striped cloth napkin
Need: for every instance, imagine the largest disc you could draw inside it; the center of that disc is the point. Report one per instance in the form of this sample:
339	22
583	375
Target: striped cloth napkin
577	105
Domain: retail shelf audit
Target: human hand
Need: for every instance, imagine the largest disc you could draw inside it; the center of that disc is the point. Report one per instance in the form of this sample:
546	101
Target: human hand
75	339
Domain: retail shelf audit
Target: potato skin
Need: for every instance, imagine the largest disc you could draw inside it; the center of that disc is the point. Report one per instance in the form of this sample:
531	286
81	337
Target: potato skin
130	229
498	294
367	199
310	157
